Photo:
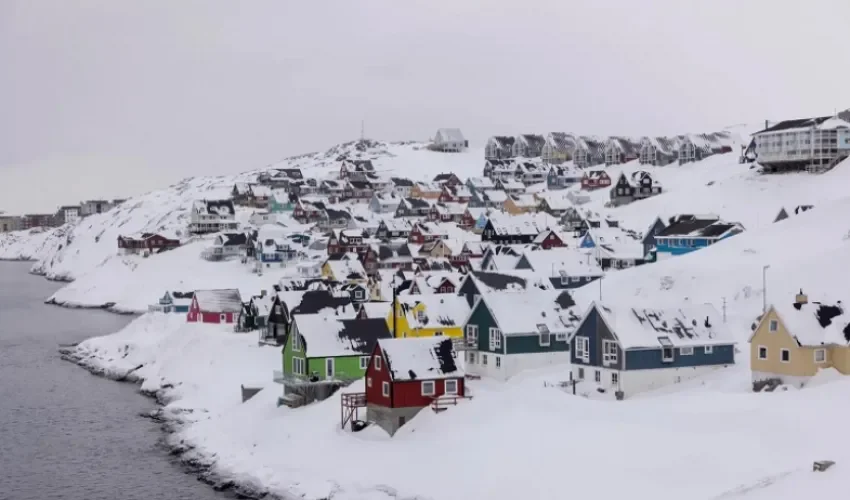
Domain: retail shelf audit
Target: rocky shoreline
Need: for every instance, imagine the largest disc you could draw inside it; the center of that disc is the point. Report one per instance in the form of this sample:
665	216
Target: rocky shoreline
192	462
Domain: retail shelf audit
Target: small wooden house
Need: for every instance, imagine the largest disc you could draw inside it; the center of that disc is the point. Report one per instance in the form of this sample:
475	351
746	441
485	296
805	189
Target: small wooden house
215	306
406	375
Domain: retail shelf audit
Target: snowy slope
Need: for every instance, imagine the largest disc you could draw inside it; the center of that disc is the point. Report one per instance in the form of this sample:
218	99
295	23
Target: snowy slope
707	439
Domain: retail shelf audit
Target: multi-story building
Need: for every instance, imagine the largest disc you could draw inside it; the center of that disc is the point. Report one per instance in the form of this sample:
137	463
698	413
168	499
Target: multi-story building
9	223
813	144
68	214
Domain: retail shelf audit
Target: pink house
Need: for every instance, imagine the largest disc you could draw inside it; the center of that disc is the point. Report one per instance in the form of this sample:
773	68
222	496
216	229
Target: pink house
215	306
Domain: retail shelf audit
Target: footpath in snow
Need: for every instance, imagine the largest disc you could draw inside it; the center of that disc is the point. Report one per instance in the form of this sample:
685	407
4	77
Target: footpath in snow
712	438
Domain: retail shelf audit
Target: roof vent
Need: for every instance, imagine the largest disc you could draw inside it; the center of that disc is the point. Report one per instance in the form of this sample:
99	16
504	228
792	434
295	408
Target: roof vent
801	298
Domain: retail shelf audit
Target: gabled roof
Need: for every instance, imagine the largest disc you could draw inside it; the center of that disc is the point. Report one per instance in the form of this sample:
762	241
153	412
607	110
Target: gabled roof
696	226
316	301
327	336
815	323
377	310
487	281
524	200
561	141
450	135
233	239
531	141
335	214
525	224
504	142
401	182
646	328
481	182
558	262
219	301
396	224
346	269
530	312
223	208
425	358
441	310
416	203
495	195
795	124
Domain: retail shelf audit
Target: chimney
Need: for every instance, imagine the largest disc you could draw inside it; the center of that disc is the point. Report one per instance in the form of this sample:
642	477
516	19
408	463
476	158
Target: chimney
801	298
262	293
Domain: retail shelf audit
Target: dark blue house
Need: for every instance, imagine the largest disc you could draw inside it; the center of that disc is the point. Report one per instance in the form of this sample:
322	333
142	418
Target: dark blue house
687	233
622	351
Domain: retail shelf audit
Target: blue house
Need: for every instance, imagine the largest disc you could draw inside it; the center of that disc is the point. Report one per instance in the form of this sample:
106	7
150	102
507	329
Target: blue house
687	233
561	177
173	303
623	351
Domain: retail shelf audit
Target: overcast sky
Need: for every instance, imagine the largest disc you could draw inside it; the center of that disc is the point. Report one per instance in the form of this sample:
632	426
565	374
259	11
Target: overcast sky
107	98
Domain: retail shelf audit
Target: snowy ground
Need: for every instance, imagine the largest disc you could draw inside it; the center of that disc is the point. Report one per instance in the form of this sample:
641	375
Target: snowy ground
707	439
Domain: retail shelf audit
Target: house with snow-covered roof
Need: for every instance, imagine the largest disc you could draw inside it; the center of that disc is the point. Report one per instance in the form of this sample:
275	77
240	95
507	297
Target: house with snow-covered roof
449	140
458	193
562	176
516	229
214	306
510	332
212	216
589	151
528	145
499	147
500	169
426	190
623	350
658	151
558	147
621	150
389	229
635	186
428	315
797	338
814	144
406	375
412	207
595	179
518	204
479	184
687	233
476	283
564	267
696	147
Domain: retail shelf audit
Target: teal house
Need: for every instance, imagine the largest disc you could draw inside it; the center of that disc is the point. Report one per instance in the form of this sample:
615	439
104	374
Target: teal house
280	202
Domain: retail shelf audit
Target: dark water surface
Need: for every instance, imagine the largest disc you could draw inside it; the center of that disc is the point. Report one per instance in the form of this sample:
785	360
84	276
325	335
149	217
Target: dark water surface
64	433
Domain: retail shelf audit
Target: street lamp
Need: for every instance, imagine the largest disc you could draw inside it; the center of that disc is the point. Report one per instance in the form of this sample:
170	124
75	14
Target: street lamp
395	284
764	287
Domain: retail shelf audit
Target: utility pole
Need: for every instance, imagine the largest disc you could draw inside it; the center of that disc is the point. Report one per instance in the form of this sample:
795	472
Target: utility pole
724	309
764	287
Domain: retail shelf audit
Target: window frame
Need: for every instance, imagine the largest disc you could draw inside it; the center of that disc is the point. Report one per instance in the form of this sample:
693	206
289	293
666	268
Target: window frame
597	376
686	351
608	357
364	362
615	378
377	363
495	338
472	334
583	353
759	351
709	349
823	357
385	389
446	390
782	353
424	384
773	326
581	373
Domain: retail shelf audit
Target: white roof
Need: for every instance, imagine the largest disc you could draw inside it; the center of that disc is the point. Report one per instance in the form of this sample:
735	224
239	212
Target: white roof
496	195
639	327
805	326
262	191
441	310
556	201
450	135
321	333
397	224
519	312
343	268
512	184
538	187
623	250
219	301
481	182
524	200
424	358
570	261
376	309
506	224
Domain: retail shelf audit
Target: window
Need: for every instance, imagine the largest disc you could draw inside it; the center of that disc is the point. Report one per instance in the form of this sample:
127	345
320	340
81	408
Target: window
581	373
498	362
785	355
597	376
471	357
686	351
820	355
223	318
565	279
495	338
420	316
377	363
428	388
583	349
471	334
545	336
615	378
296	342
561	336
484	359
609	352
667	354
385	389
364	362
575	279
358	294
709	349
774	325
368	381
762	352
451	387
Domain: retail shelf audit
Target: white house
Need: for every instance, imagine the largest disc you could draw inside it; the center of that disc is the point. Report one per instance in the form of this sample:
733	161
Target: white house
262	217
212	216
811	143
384	203
450	140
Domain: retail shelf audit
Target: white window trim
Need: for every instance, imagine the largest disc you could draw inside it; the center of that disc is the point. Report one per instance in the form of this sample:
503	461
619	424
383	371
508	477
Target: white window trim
433	391
773	325
472	333
823	352
377	363
495	340
780	355
583	348
561	336
385	389
615	377
686	351
446	385
364	362
609	352
758	352
709	349
548	338
672	357
597	376
368	381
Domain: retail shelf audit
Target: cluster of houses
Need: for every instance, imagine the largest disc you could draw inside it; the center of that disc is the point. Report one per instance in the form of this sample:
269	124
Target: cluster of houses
64	215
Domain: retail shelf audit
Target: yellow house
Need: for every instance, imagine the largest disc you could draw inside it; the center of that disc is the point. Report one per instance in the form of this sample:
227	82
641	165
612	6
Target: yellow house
517	204
426	191
429	316
790	344
345	270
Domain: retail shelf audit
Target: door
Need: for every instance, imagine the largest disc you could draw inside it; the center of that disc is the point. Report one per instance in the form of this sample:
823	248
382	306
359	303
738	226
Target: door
329	368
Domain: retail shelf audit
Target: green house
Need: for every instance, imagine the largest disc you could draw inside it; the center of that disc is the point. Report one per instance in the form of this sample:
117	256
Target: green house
324	348
280	202
510	332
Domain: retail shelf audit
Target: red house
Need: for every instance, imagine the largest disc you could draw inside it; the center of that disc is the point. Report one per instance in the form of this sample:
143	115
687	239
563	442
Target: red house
406	375
215	306
549	239
151	242
595	179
